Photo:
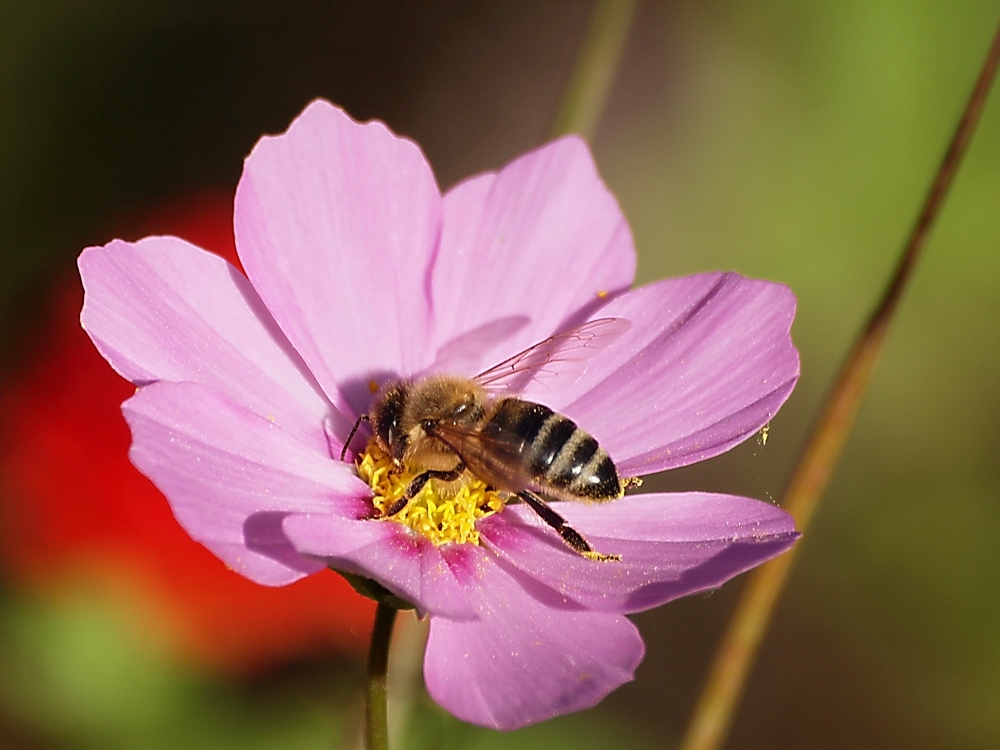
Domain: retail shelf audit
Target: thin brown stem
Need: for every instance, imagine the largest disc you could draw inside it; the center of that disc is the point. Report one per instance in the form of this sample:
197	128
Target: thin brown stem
724	686
376	711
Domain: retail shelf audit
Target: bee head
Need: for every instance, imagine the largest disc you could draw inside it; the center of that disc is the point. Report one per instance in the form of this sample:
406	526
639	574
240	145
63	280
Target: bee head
386	414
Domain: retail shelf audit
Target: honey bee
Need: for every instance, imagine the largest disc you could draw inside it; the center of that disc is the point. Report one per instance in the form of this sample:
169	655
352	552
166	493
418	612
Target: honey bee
447	427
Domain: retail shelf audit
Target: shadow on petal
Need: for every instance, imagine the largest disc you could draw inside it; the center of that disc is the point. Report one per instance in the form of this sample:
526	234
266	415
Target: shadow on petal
360	392
259	309
463	354
263	534
538	590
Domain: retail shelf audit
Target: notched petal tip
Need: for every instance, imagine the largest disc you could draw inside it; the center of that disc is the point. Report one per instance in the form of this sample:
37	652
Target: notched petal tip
325	112
327	204
522	228
707	364
671	545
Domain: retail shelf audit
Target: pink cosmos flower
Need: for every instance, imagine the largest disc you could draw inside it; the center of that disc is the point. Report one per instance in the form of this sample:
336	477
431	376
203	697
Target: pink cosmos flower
359	271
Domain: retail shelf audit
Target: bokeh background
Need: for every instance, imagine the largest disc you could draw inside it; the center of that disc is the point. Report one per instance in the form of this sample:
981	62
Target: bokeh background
792	141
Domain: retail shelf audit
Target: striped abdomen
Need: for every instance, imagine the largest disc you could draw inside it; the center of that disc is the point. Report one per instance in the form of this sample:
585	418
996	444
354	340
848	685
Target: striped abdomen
558	456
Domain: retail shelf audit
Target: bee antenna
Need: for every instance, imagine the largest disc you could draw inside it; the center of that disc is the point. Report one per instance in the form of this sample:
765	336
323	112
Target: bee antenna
351	434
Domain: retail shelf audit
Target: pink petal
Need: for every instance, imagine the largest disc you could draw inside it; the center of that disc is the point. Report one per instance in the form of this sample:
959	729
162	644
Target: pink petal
163	309
336	223
406	563
529	657
708	361
231	476
544	236
671	545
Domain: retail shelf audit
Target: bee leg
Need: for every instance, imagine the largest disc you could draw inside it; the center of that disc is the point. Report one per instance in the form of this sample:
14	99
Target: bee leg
630	482
418	484
445	476
350	436
571	536
396	507
486	505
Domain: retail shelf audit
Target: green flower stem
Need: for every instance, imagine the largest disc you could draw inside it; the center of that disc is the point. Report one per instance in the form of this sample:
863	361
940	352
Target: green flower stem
594	71
376	715
725	683
406	676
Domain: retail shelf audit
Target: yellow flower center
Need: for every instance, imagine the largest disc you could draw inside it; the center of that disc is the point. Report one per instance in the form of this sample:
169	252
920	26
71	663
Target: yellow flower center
442	517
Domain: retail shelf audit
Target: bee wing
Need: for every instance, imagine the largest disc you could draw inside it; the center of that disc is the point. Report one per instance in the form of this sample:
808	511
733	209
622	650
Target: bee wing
563	356
461	353
495	460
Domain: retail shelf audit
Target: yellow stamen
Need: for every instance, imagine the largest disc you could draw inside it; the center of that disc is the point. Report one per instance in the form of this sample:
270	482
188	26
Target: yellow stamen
441	516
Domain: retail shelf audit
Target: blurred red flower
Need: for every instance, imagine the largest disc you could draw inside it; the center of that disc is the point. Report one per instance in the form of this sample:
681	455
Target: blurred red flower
74	506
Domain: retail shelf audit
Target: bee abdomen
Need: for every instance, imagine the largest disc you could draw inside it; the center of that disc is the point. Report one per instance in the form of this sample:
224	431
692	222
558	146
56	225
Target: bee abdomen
558	454
579	465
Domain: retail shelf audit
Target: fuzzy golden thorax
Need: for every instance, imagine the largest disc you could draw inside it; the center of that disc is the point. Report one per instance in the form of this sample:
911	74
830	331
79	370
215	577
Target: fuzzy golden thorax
404	410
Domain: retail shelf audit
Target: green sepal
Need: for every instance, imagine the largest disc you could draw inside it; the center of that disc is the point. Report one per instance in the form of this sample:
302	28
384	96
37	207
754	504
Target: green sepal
374	591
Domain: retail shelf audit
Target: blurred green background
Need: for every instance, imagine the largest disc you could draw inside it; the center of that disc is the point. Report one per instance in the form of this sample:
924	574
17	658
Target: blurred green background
787	140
